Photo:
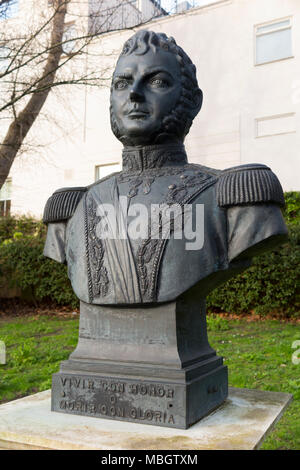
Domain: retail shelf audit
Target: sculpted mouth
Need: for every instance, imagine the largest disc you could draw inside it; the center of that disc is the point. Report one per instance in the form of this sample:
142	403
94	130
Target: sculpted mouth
137	114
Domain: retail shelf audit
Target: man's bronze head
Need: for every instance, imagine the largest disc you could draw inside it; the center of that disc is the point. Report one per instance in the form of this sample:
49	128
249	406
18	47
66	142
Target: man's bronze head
154	94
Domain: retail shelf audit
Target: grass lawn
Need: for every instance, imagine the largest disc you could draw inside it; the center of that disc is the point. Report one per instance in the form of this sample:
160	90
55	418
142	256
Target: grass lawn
258	355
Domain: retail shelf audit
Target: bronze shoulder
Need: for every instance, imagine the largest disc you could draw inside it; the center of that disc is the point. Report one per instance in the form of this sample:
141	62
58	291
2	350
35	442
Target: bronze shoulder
62	204
248	184
204	169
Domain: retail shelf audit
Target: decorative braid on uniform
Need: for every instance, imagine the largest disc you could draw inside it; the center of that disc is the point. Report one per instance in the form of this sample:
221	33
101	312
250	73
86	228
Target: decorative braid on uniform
62	204
248	184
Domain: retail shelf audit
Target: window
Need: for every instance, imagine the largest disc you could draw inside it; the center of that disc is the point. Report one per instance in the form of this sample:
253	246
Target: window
104	170
4	58
5	198
8	9
69	35
203	3
273	41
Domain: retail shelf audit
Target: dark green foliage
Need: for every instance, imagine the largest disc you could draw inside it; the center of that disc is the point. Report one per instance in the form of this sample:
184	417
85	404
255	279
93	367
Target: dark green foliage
271	284
292	209
23	265
10	226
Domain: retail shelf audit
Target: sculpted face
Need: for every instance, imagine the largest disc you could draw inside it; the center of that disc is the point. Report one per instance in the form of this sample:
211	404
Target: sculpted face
145	89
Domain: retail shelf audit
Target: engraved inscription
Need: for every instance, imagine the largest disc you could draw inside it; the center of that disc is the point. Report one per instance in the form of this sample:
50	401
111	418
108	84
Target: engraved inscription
92	408
117	411
152	390
112	386
139	401
143	389
77	382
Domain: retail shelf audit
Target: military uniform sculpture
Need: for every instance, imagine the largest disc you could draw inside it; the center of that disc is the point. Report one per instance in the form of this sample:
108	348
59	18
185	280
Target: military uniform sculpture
143	353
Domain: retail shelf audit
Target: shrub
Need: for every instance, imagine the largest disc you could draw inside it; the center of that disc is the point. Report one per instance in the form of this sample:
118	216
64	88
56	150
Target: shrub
23	225
292	208
270	285
23	265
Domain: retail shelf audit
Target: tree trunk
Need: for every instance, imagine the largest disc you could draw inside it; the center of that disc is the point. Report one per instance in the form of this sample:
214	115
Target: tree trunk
20	127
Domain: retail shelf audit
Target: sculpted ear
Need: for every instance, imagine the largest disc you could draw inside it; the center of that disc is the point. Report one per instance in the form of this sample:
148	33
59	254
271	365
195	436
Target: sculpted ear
198	99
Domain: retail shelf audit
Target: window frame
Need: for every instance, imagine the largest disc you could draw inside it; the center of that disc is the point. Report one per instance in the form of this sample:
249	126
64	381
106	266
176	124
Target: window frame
105	164
69	25
264	33
6	202
4	61
6	208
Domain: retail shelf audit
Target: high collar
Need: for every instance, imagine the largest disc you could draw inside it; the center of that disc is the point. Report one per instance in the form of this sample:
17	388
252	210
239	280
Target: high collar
153	156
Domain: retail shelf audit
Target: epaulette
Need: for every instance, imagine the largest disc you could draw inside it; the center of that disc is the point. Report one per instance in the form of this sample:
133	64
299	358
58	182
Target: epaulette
248	184
62	204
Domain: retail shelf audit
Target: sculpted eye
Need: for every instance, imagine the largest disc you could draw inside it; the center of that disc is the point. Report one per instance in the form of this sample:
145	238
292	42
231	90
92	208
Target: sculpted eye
159	82
120	84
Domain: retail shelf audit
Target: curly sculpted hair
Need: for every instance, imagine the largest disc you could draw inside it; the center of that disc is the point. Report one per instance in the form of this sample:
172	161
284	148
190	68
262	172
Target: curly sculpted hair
178	122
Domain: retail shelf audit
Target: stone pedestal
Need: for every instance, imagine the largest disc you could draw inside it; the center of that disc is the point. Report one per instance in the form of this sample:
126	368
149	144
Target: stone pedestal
149	364
241	423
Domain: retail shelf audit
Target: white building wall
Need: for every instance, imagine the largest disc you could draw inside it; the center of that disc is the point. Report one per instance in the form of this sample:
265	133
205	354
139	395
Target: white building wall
220	40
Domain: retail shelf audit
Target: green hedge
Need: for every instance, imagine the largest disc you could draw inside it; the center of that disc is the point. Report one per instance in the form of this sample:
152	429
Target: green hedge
23	265
270	285
12	227
292	207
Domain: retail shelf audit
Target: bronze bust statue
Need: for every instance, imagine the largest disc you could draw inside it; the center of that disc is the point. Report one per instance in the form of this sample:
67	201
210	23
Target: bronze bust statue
143	353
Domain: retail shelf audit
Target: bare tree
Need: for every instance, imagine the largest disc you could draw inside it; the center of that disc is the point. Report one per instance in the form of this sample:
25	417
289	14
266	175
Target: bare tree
37	56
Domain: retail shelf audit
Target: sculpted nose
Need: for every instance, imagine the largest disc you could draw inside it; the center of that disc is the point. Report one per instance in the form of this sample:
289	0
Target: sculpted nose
136	96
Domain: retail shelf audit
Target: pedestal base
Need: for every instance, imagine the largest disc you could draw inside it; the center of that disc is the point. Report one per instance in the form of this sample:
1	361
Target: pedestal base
241	423
149	364
152	402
